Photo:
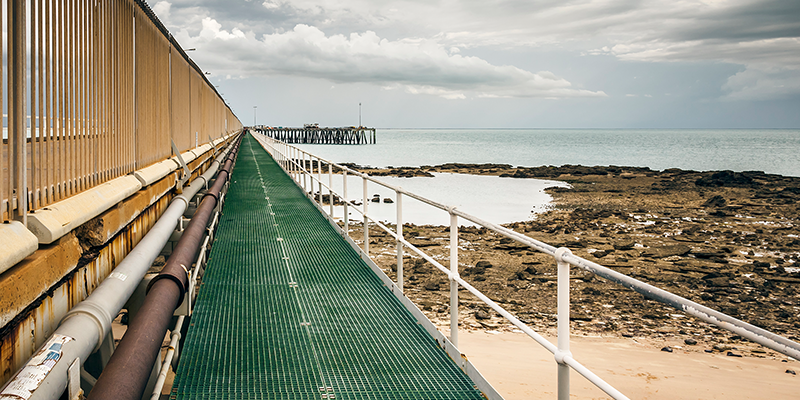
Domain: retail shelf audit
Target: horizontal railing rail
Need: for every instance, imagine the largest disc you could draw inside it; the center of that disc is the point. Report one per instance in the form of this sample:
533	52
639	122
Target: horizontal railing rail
303	167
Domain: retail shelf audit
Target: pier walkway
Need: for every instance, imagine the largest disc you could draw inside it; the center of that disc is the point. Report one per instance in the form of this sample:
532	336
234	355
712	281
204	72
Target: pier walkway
288	310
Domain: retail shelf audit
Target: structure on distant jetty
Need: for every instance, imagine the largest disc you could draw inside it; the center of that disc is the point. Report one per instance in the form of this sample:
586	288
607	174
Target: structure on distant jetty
313	134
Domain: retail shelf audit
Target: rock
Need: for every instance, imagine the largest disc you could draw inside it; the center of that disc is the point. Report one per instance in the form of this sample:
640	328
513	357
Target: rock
667	329
422	242
715	201
624	245
667	349
732	354
690	342
480	314
388	200
719	282
431	285
790	371
721	348
483	264
667	251
760	265
580	317
725	178
600	253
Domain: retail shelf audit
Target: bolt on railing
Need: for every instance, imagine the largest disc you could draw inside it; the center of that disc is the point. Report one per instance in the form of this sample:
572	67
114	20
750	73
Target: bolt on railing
563	258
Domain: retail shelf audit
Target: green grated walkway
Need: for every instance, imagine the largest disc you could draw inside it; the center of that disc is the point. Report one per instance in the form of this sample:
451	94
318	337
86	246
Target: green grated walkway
288	310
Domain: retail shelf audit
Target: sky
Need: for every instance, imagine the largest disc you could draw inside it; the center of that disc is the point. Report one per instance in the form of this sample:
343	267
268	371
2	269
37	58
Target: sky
499	63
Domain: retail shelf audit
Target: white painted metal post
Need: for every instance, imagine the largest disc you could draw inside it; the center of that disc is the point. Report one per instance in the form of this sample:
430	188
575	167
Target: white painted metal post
330	187
563	324
17	127
366	220
303	171
453	275
319	179
399	197
344	193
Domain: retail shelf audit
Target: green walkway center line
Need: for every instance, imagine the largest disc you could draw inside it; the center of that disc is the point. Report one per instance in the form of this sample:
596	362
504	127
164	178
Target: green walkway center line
288	310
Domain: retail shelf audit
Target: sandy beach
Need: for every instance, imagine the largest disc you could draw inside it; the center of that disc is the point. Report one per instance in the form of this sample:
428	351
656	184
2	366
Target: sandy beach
520	369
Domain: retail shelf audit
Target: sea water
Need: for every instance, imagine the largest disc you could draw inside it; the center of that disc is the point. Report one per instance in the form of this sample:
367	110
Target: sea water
505	200
775	151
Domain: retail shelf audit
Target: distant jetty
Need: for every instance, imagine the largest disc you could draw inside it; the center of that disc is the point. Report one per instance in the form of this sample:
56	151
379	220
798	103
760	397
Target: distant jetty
314	134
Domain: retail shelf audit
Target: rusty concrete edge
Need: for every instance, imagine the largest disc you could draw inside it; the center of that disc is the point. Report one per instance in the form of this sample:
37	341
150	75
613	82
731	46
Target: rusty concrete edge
92	253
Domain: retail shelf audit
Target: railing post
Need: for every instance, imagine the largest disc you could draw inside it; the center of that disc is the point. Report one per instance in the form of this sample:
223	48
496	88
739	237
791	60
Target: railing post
366	219
344	193
330	187
303	170
319	180
399	230
17	117
453	276
563	323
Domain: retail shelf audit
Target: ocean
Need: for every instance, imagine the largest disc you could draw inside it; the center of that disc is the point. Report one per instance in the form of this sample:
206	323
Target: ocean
775	151
505	200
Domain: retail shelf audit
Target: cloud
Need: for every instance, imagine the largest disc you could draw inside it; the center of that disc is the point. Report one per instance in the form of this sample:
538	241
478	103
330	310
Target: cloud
760	35
162	9
416	65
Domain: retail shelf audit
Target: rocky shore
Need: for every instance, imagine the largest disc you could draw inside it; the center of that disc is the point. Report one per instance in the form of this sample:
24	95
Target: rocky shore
727	240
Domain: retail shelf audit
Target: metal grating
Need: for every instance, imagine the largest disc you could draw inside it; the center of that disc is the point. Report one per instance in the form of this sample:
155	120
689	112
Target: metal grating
288	310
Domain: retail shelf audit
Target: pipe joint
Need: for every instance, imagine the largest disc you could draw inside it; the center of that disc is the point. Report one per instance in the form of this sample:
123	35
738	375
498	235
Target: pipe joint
181	280
183	198
214	195
97	314
561	356
562	252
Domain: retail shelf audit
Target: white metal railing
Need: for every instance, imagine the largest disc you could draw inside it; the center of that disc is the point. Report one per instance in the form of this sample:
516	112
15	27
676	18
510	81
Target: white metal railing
300	165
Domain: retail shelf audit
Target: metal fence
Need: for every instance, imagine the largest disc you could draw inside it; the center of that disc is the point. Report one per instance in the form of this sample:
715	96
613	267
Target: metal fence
95	90
307	170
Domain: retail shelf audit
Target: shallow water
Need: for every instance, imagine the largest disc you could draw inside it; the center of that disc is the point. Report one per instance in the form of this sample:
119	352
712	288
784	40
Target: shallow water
495	199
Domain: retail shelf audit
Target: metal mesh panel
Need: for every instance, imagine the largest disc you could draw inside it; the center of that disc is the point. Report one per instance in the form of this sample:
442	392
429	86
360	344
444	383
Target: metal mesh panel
288	310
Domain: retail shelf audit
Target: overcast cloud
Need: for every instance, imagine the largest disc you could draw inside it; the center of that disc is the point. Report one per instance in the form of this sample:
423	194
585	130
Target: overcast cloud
514	49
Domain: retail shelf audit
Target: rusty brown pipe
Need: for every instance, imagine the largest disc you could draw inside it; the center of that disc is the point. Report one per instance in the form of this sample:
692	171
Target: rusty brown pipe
128	370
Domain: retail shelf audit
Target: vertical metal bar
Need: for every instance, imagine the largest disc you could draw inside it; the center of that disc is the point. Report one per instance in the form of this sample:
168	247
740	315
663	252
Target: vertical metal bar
35	101
319	179
344	194
563	324
330	187
453	275
304	171
17	134
48	109
366	219
399	230
69	23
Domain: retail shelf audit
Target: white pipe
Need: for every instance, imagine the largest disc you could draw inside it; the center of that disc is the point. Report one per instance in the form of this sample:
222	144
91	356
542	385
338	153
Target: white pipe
399	197
366	220
173	344
346	202
454	279
330	184
563	325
